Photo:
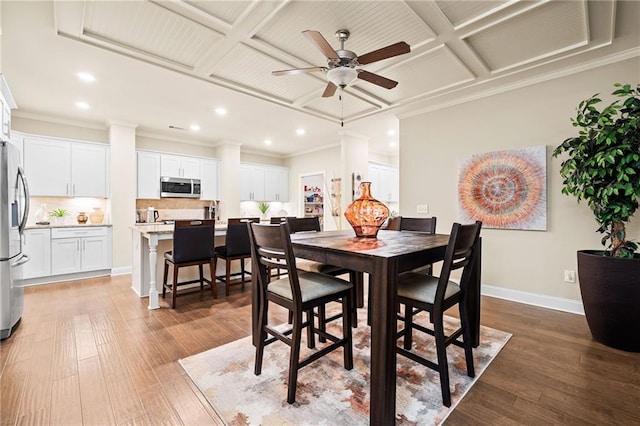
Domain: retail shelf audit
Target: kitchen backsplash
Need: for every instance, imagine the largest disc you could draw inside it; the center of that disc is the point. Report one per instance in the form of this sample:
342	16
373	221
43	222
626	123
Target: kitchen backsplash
73	206
173	208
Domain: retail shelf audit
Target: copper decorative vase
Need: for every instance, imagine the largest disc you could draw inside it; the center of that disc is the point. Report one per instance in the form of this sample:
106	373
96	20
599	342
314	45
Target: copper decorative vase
366	214
82	218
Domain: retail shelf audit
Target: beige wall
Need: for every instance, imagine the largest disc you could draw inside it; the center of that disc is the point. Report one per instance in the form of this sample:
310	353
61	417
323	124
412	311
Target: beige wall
174	147
431	144
261	159
59	130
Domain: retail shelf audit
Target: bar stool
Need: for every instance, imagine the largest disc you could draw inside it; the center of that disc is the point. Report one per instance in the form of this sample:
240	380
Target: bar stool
192	246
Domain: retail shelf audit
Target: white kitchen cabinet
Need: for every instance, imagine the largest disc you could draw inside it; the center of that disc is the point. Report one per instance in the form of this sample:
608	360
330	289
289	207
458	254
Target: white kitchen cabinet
209	180
276	184
263	183
80	249
57	167
6	104
384	182
148	175
89	170
180	166
37	245
252	182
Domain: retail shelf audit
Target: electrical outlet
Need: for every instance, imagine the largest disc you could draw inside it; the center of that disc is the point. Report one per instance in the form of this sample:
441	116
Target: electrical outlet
423	208
569	276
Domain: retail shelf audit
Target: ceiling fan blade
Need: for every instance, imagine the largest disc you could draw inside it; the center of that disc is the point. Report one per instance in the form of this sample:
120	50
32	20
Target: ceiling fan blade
321	43
390	51
329	90
377	79
298	71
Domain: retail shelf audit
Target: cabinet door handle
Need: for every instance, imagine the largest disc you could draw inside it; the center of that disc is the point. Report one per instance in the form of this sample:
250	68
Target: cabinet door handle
77	245
66	191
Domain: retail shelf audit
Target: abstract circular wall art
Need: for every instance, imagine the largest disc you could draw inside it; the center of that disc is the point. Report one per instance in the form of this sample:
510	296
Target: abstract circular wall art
505	189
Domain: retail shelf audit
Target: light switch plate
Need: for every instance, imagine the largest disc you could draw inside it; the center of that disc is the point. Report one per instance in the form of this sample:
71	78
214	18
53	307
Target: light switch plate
423	208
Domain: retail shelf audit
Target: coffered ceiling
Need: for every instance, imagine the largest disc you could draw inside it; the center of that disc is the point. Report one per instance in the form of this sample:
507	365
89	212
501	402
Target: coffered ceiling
162	63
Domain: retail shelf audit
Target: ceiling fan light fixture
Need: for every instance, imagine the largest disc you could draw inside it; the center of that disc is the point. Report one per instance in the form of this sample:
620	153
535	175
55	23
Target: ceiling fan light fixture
342	76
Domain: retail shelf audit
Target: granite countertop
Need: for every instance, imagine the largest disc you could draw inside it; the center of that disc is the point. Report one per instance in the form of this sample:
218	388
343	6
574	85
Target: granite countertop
75	225
163	228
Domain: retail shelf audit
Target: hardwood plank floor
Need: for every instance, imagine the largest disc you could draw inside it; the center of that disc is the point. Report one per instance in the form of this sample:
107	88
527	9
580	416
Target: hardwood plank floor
90	352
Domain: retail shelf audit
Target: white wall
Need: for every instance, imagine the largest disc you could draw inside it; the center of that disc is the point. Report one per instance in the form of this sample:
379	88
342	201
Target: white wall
325	161
432	143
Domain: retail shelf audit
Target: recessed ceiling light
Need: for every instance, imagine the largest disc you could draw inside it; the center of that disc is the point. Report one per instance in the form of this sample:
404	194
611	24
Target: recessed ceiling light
194	128
221	111
267	142
85	76
82	105
300	132
391	132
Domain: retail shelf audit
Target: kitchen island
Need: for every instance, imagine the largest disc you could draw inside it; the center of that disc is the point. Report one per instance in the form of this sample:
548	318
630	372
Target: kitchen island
147	240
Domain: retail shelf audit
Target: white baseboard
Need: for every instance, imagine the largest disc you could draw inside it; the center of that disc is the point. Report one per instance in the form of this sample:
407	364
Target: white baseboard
122	270
542	300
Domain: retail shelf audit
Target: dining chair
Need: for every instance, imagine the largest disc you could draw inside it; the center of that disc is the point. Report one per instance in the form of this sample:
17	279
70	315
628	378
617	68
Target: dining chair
393	223
274	220
425	225
299	292
418	224
435	295
236	247
192	246
312	224
234	220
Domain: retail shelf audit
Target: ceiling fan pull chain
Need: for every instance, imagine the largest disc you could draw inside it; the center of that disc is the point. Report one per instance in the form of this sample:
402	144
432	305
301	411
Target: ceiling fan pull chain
341	109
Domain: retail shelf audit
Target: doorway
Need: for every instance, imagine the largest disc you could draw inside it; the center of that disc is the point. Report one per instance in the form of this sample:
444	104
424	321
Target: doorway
313	196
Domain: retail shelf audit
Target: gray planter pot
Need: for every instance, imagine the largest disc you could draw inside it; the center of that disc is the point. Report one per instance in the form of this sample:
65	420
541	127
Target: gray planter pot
610	290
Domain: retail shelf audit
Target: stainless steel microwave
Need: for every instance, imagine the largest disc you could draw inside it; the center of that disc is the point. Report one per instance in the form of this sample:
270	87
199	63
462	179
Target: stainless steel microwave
179	187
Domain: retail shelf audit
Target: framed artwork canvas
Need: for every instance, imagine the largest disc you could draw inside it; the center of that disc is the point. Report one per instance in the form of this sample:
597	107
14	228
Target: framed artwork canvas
504	189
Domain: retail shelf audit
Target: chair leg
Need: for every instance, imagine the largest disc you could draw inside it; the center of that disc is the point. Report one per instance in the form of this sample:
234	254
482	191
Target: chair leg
369	307
322	321
443	367
294	358
174	287
466	335
262	321
311	335
201	279
227	282
212	269
408	326
164	280
242	271
290	321
346	332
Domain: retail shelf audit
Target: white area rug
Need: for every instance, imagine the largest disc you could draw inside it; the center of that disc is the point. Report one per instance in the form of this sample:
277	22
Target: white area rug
328	394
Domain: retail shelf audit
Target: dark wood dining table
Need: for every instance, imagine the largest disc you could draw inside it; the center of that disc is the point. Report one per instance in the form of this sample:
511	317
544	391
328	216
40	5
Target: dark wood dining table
383	258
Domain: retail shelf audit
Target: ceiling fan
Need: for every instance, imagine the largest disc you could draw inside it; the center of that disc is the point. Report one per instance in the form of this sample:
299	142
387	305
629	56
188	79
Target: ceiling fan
343	65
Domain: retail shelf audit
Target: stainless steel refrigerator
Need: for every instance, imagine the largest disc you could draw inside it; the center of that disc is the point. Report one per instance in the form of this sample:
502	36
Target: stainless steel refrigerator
14	209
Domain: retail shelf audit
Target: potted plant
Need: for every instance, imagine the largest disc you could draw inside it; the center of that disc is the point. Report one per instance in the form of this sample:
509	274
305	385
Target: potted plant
263	207
58	216
602	167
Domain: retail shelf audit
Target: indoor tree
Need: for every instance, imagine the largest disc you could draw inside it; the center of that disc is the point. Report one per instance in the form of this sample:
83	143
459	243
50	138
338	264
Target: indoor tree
603	164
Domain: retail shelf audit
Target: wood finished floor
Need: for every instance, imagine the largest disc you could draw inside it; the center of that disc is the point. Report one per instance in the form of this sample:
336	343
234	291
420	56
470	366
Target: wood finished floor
90	352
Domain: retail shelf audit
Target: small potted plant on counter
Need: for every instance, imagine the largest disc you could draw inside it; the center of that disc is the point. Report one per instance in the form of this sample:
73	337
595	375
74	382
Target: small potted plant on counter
57	216
602	167
263	207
